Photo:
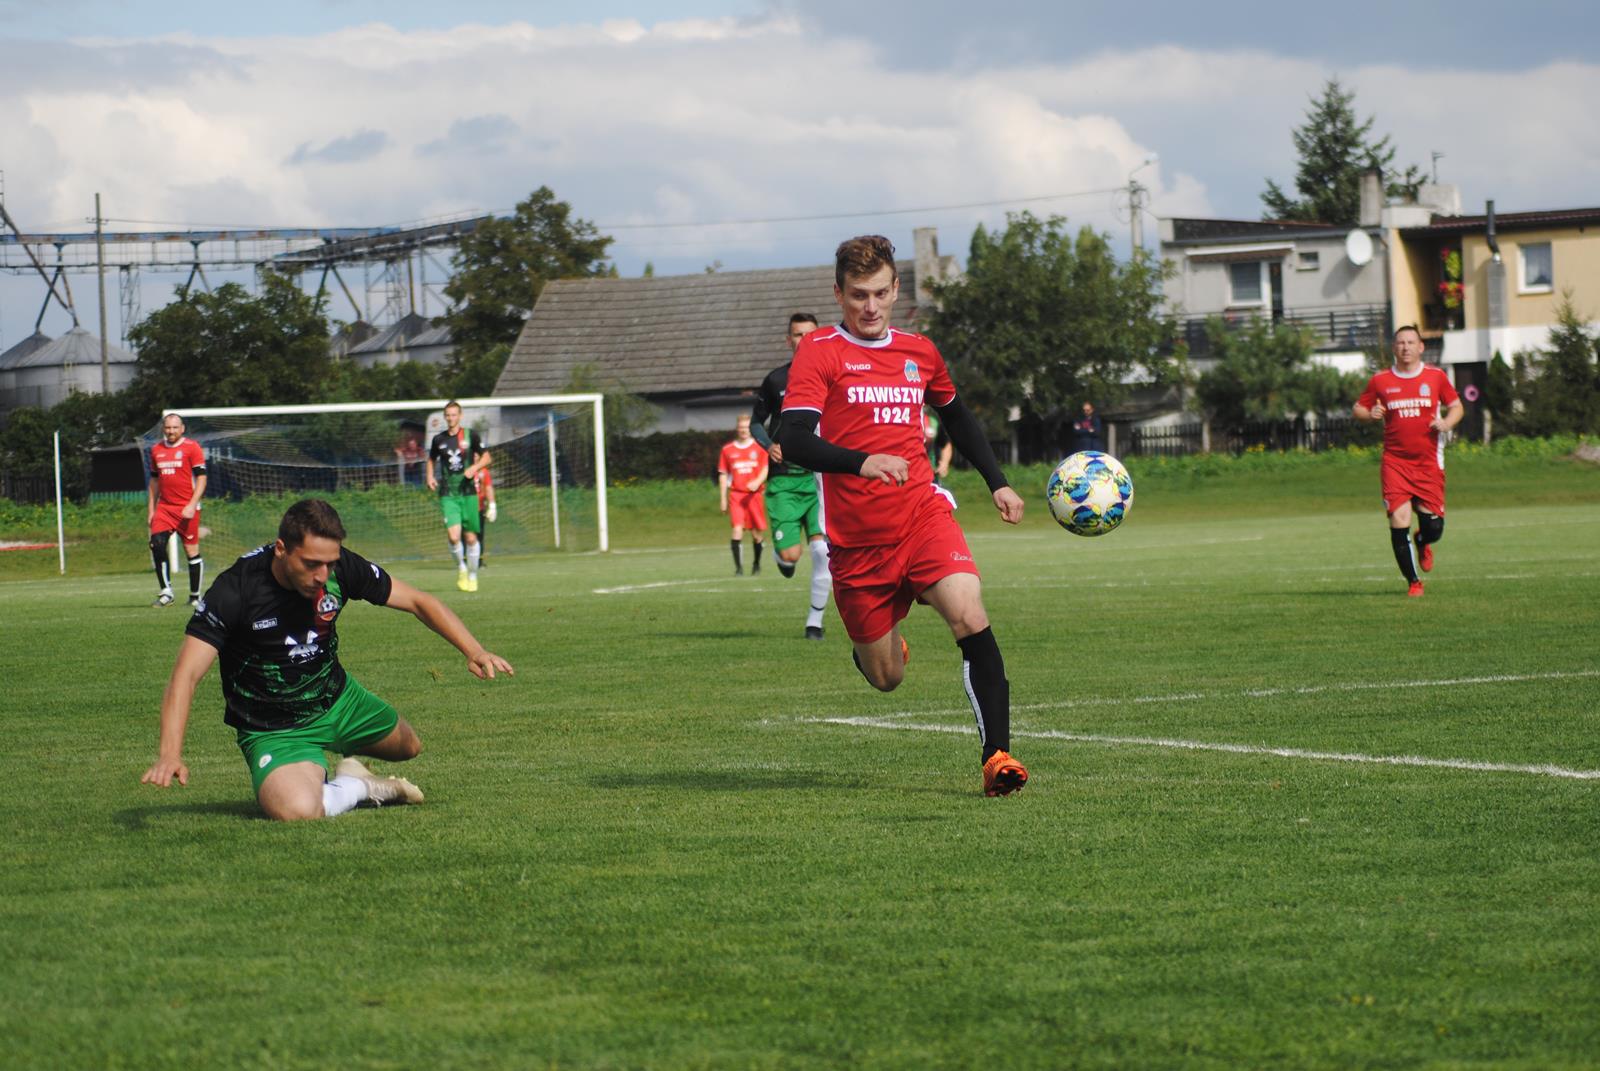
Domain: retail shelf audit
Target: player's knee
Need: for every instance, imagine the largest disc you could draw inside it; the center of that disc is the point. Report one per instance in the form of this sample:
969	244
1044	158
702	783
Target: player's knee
790	554
293	809
887	678
1430	527
158	541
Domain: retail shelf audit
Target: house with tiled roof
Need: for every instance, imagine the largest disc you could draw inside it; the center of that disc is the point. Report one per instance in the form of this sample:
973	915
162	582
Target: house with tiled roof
697	346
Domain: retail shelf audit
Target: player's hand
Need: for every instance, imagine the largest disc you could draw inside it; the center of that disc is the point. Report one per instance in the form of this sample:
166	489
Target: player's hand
724	507
1377	412
491	513
188	512
1009	503
886	468
775	452
163	771
484	663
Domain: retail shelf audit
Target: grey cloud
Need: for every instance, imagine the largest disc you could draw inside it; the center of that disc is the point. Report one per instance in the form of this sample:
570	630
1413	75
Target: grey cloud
350	149
59	67
479	135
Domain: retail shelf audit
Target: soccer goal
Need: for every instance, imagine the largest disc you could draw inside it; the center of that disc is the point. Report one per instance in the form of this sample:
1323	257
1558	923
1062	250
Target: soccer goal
369	459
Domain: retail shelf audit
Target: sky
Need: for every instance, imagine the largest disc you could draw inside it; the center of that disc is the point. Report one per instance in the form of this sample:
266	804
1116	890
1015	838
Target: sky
755	133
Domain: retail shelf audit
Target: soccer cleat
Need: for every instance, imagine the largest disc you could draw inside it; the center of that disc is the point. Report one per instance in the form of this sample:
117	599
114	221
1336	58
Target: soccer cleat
1415	591
1003	775
194	600
381	791
472	583
813	632
1425	556
905	652
755	569
462	582
738	570
163	599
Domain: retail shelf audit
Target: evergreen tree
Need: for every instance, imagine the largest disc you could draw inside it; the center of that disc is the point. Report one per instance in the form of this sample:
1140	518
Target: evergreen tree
1264	372
1334	150
1559	390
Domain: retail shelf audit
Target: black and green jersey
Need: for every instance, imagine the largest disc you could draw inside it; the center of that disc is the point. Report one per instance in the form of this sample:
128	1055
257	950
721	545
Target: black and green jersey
766	413
452	454
279	650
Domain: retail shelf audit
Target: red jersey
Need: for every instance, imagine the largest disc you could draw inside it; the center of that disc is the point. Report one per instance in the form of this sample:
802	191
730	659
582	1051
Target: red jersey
1410	403
485	484
743	465
870	393
174	469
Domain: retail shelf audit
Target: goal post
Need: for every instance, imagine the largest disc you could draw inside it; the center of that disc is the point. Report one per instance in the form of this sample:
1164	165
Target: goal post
548	470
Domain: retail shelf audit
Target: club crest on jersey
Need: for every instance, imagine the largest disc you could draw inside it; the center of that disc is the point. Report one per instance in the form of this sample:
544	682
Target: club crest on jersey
1423	390
302	652
327	606
913	373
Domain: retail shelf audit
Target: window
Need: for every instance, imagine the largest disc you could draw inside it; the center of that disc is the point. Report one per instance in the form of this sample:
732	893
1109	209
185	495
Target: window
1308	260
1538	268
1244	283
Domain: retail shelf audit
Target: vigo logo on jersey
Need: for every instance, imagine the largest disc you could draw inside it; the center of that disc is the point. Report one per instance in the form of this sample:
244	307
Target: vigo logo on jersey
302	651
890	405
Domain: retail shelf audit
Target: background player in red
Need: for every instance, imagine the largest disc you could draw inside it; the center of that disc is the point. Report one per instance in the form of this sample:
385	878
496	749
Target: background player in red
177	484
487	511
1416	405
853	412
741	471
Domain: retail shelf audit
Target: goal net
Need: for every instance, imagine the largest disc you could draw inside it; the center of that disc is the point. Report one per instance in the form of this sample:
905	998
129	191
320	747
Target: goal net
370	458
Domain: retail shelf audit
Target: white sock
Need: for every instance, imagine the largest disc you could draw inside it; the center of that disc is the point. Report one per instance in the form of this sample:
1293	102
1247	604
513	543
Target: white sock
455	549
821	582
474	554
341	794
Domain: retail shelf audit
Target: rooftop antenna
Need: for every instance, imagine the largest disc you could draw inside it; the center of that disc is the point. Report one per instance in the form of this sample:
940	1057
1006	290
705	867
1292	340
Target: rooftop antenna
1437	155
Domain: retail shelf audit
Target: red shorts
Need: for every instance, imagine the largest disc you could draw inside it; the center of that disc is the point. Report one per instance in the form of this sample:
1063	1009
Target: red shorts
169	518
747	509
1407	480
874	587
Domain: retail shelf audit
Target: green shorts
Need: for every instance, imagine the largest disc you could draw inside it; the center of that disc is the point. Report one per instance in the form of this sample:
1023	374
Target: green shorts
462	510
356	719
794	511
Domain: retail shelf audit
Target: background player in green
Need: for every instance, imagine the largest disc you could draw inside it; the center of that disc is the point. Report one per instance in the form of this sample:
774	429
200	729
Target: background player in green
454	458
794	509
270	617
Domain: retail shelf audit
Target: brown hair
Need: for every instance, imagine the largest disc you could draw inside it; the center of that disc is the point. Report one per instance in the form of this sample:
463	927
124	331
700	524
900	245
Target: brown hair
453	402
309	516
863	255
1406	327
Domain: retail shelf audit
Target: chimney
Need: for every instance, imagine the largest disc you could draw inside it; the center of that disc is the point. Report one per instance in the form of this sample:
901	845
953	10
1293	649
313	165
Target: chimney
928	267
1371	213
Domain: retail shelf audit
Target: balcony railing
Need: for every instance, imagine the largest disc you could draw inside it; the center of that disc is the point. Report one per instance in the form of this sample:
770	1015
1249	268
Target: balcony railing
1334	327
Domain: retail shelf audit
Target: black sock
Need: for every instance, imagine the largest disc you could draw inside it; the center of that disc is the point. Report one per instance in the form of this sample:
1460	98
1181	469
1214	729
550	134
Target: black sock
158	555
756	568
197	570
983	675
1401	538
1430	528
786	568
738	554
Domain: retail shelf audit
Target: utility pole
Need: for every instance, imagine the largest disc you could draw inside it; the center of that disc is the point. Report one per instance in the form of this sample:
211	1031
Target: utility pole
1136	193
100	261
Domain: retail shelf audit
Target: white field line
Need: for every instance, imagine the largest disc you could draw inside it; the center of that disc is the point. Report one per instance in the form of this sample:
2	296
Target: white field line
1541	769
629	588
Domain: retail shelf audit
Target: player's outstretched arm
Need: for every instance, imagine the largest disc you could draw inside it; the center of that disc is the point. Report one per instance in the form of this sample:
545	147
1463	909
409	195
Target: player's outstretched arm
194	659
439	617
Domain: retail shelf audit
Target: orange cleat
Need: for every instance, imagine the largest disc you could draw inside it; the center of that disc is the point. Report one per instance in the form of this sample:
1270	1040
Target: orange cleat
905	652
1425	556
1003	775
1415	591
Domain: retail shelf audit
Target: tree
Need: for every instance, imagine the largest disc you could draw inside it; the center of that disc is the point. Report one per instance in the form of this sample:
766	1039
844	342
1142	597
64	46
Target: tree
1044	322
1558	391
1264	372
504	264
1334	150
85	421
228	347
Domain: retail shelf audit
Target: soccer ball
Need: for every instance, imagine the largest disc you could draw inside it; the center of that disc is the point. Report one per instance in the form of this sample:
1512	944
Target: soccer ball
1089	493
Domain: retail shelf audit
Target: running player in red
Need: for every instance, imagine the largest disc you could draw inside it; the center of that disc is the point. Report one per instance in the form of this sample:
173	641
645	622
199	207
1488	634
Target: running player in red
741	471
1416	405
853	413
177	484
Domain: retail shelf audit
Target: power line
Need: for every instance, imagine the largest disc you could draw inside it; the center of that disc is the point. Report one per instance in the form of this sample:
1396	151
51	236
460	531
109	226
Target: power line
858	215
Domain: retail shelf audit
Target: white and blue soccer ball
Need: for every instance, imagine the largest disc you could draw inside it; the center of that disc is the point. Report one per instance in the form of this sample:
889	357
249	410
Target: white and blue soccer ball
1089	493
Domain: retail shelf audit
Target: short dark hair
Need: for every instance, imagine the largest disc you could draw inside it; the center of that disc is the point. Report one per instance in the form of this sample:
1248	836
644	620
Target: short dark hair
453	402
1405	327
804	318
309	516
863	255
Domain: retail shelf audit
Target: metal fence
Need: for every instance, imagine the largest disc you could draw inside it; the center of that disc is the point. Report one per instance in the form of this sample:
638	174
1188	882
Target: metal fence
30	490
1333	327
1178	439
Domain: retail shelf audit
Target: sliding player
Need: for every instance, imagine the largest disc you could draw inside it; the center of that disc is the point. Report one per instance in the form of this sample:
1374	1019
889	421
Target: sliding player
177	484
271	617
891	534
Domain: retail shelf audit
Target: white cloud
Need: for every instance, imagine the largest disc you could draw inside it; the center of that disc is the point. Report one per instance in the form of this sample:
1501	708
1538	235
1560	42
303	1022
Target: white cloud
712	119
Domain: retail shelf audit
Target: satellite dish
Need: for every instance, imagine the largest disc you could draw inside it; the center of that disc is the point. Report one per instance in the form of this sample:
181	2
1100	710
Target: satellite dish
1358	247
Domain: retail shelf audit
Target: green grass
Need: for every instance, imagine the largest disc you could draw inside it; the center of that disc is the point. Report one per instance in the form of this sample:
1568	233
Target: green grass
642	852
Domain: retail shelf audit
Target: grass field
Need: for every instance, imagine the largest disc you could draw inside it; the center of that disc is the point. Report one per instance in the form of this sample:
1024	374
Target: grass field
1280	815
